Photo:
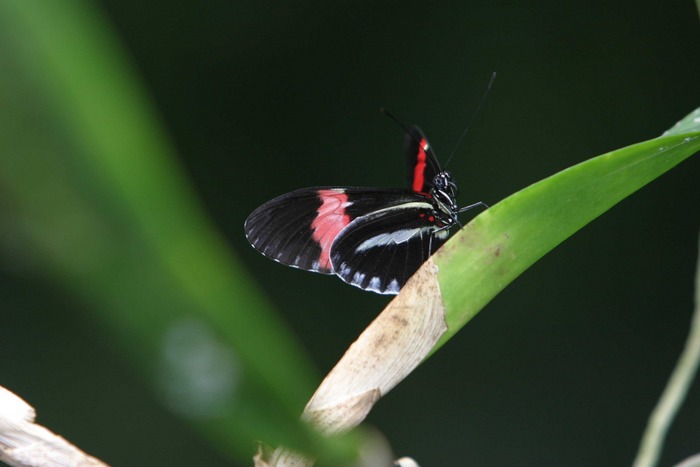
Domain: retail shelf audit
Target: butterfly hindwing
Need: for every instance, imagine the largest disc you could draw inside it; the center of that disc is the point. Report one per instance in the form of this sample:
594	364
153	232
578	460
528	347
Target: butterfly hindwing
421	162
382	249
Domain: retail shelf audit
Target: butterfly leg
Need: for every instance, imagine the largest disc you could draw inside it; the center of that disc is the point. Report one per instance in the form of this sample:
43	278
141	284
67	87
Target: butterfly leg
472	206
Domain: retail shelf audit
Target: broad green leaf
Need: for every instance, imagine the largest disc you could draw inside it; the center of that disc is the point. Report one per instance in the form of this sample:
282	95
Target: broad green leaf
501	243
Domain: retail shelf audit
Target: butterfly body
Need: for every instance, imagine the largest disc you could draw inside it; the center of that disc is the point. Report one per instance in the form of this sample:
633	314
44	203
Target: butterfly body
372	238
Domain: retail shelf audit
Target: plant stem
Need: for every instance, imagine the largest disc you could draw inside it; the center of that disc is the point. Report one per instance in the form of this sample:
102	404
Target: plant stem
676	389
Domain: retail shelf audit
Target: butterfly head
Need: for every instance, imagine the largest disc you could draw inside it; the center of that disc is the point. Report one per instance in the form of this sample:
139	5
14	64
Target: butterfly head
444	190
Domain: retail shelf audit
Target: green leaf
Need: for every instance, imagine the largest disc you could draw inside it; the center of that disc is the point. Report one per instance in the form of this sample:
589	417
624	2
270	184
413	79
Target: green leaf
96	201
502	242
688	124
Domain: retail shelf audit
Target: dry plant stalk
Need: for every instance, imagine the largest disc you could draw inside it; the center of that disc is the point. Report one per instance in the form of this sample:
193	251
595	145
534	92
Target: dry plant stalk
23	443
391	347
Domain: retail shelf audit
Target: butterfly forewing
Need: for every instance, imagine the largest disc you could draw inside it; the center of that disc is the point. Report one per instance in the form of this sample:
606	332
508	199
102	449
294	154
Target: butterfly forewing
381	250
421	162
280	229
298	228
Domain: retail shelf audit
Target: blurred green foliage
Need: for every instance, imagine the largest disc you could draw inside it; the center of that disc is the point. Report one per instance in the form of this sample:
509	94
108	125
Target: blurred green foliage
94	195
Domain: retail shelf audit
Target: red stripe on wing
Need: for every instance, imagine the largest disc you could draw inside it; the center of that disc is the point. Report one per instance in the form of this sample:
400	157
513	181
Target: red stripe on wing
419	169
330	220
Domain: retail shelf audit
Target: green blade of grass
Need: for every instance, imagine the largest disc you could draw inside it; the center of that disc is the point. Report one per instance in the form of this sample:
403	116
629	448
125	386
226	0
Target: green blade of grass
501	243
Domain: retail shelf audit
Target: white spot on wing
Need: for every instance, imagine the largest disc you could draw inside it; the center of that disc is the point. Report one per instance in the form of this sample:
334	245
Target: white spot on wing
358	277
389	238
345	271
393	287
374	284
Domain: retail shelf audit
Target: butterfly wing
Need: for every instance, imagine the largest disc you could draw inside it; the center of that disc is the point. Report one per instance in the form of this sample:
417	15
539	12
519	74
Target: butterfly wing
281	229
298	228
382	249
421	161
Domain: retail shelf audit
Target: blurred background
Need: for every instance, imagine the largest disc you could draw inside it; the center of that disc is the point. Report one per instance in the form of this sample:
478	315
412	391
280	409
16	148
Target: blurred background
564	367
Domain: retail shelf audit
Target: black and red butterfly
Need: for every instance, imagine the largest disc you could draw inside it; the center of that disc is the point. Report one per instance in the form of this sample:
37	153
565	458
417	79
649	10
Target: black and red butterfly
372	238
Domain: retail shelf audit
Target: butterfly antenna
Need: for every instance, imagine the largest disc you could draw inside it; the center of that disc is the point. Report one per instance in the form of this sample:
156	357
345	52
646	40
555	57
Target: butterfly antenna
474	114
401	124
394	118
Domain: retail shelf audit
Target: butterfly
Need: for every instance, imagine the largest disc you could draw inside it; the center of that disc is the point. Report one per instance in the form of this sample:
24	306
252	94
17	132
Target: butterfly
372	238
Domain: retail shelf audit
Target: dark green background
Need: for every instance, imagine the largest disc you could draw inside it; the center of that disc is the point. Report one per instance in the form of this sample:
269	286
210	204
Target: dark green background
562	368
